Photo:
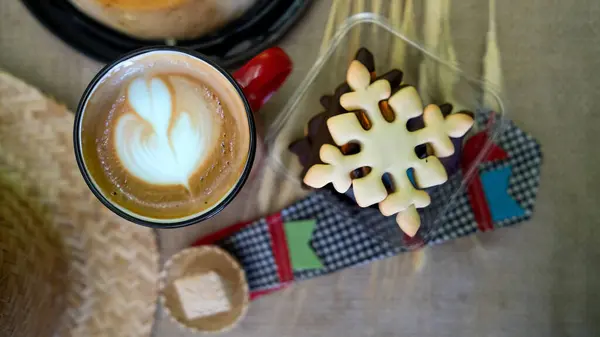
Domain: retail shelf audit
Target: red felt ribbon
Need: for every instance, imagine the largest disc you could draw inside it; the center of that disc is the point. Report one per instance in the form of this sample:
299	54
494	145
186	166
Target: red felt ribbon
474	148
280	248
222	234
413	242
260	293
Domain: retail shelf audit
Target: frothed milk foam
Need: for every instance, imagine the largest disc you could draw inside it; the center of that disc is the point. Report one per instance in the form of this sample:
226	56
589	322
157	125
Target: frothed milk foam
165	136
167	127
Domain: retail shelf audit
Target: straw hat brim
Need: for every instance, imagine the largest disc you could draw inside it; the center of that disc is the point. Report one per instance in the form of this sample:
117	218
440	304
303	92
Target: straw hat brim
113	264
33	267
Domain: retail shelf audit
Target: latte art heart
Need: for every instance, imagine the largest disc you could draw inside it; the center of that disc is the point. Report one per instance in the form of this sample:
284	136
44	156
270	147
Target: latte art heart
168	131
166	137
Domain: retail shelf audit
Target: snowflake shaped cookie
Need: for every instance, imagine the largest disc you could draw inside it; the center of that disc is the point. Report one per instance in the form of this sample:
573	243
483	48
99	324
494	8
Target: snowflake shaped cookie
387	147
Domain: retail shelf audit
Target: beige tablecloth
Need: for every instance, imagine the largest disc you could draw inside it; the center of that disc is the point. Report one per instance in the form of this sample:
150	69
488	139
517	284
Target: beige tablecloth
538	279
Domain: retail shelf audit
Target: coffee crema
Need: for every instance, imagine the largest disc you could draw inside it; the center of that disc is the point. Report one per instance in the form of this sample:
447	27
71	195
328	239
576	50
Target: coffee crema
165	136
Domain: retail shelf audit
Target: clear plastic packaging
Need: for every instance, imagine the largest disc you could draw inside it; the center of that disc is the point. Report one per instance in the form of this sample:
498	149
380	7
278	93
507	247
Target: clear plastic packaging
384	41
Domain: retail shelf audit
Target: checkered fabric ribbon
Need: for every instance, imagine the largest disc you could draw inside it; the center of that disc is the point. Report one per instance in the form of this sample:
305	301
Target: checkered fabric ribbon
347	235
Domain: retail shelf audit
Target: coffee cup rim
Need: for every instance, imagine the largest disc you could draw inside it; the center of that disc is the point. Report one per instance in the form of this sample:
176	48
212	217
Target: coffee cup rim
130	217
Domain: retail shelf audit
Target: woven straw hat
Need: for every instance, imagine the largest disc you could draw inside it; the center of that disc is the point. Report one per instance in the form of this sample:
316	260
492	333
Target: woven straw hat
33	268
199	260
112	264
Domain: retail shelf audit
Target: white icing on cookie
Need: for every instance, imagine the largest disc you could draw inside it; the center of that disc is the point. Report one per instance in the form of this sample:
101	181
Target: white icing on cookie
168	131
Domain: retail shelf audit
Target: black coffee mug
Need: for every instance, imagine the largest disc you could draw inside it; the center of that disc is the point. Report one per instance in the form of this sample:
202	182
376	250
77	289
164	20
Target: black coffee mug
255	82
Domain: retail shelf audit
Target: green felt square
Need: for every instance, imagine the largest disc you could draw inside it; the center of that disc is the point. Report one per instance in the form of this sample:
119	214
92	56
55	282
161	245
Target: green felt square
298	234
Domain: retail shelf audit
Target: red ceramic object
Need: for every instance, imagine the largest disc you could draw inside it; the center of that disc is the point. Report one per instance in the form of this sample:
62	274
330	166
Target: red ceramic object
263	75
